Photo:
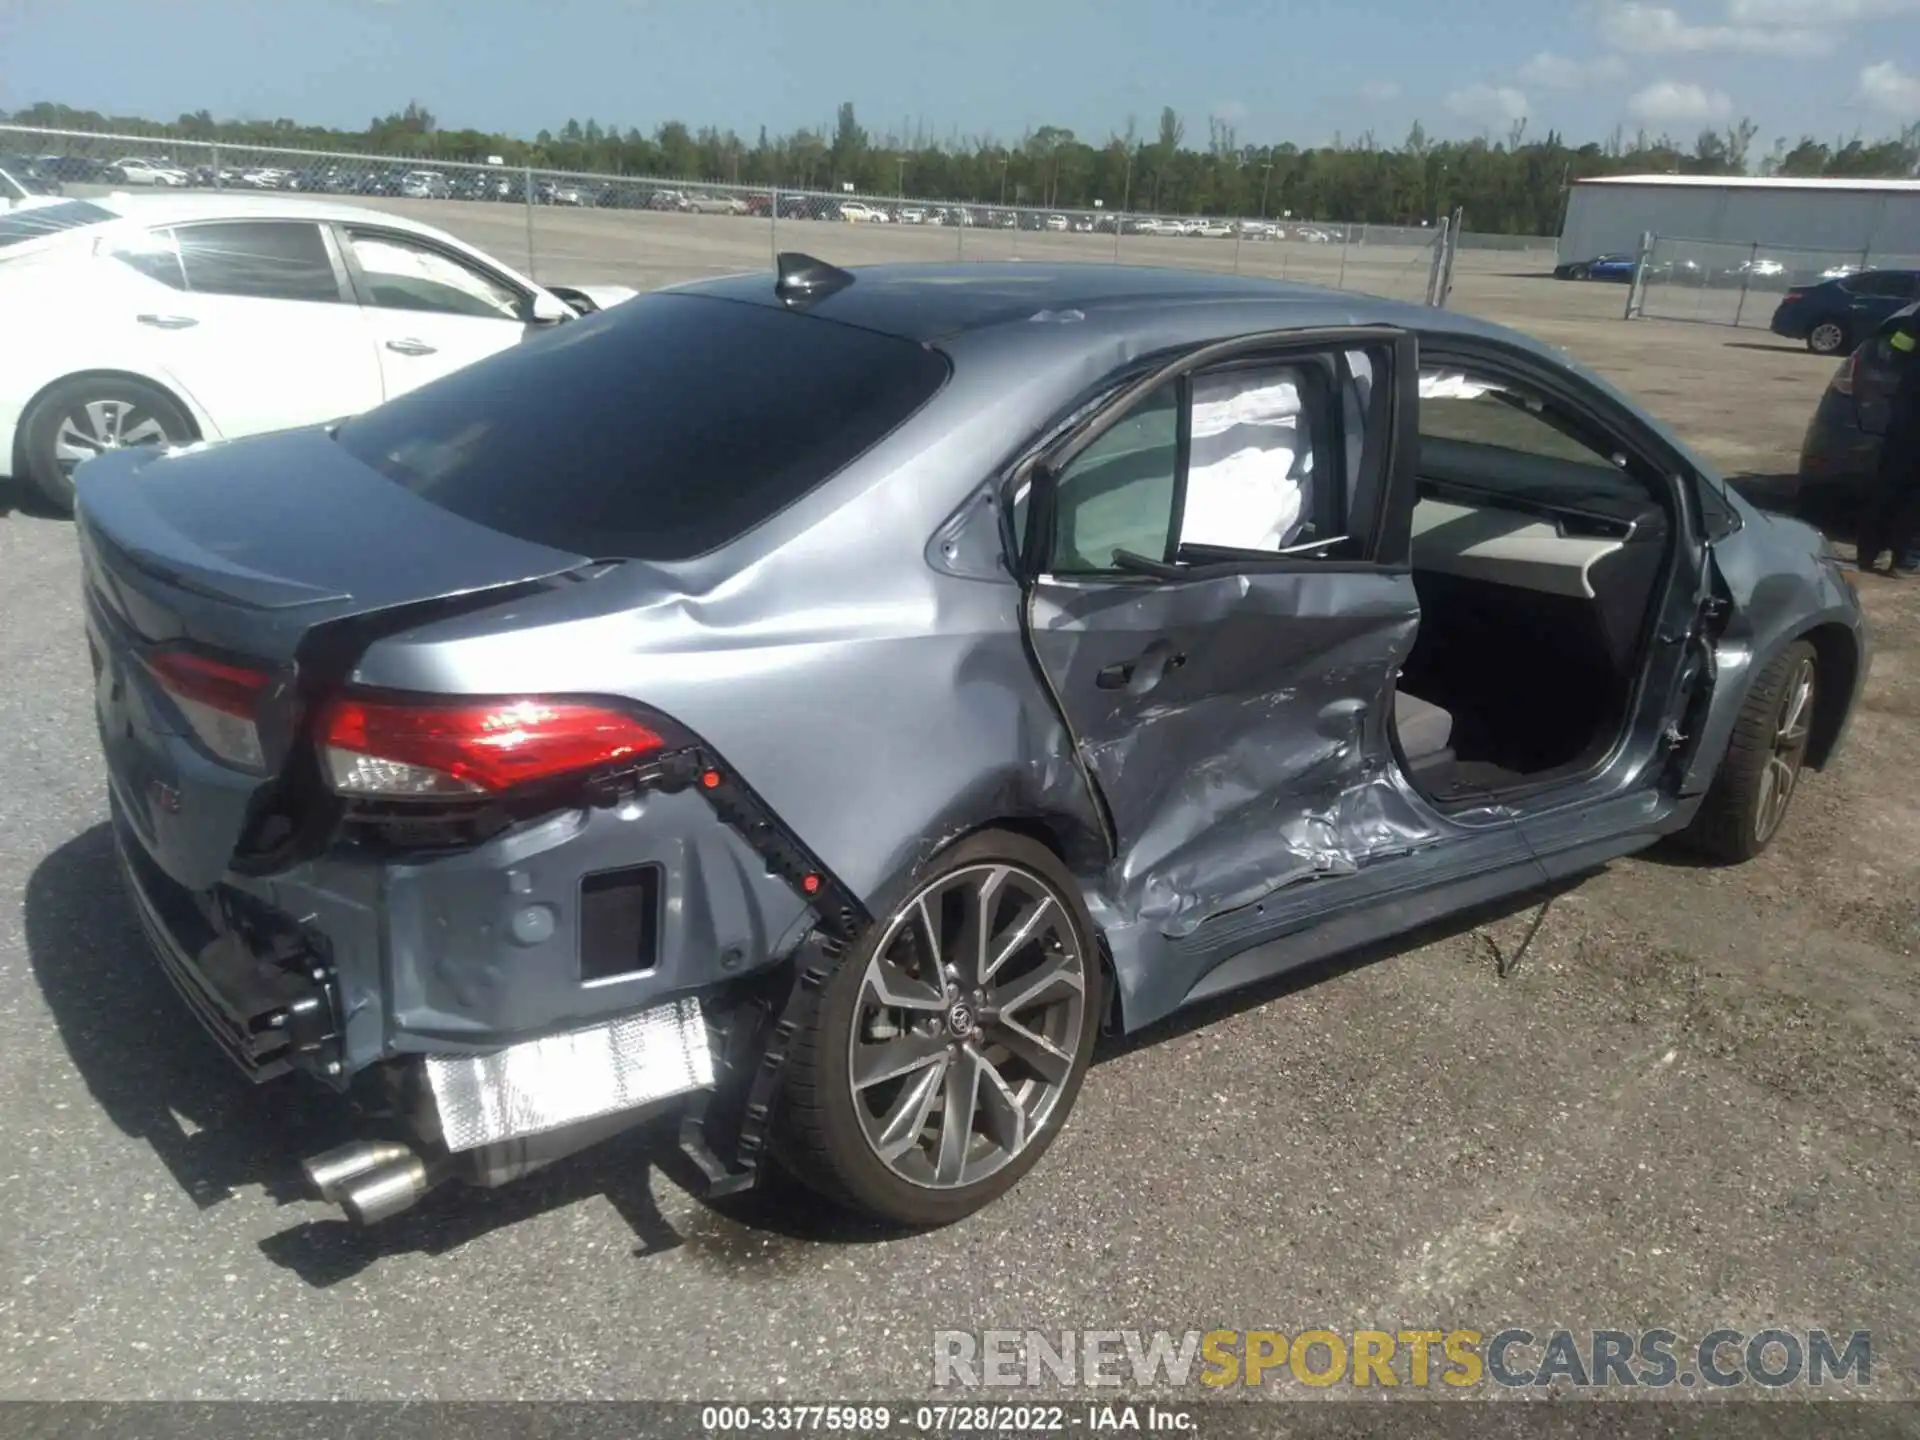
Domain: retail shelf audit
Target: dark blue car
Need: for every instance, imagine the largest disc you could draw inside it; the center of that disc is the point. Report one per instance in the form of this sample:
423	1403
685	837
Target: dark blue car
1836	315
1600	267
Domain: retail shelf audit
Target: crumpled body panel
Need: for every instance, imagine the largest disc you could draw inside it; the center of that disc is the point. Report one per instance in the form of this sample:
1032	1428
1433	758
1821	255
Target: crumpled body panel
1249	748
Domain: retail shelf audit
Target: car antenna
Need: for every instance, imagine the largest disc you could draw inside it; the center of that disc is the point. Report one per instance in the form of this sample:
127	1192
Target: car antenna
801	277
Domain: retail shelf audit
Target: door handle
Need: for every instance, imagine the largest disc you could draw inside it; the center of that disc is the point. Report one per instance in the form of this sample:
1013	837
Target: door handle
1114	676
167	322
410	347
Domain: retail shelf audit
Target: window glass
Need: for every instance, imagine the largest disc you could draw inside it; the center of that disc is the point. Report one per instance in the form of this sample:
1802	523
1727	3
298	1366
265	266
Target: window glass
1117	494
656	430
154	254
1250	480
258	259
47	219
403	274
1471	410
1881	282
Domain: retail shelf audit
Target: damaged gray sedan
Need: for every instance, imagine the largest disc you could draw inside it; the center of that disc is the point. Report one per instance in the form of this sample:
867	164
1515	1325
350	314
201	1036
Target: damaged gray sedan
807	708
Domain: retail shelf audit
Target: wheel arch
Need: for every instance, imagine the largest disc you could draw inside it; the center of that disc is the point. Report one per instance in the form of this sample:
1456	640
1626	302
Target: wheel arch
1837	663
1073	840
107	372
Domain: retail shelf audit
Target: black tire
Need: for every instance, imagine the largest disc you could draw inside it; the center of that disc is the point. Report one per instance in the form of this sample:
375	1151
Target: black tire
818	1136
1579	272
1743	810
1829	337
40	427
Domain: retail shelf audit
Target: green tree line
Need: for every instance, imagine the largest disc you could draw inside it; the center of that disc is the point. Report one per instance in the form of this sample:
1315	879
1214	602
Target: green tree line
1510	184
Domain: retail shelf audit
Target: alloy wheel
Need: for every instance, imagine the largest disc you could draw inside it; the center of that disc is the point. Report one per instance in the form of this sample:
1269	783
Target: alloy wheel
1793	724
95	426
1826	338
970	1017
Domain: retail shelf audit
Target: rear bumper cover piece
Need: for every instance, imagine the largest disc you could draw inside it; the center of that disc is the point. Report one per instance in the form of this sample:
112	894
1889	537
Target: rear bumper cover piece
559	1080
269	1014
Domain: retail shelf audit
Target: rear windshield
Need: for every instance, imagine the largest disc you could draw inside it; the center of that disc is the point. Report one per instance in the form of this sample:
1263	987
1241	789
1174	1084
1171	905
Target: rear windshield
41	220
656	430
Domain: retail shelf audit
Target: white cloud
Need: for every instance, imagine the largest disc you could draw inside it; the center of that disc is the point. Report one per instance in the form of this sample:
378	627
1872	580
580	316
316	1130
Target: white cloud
1890	90
1557	72
1644	29
1488	104
1376	91
1231	111
1672	102
1812	13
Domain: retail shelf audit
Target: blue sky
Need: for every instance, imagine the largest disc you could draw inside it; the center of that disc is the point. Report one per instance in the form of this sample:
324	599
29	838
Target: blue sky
1300	70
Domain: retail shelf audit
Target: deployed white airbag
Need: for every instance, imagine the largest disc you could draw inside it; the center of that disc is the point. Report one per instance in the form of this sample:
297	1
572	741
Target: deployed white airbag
1250	469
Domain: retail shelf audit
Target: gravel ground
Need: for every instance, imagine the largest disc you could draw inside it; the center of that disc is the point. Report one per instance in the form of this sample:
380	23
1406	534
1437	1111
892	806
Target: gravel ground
1693	1103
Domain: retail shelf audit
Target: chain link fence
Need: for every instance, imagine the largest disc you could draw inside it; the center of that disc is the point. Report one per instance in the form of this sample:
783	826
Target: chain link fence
568	227
1719	283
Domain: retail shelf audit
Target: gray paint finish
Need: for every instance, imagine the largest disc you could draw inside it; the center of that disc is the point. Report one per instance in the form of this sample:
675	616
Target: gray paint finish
862	661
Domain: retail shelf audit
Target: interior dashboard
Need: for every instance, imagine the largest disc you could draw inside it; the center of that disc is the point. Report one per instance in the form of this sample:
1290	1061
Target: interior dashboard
1532	523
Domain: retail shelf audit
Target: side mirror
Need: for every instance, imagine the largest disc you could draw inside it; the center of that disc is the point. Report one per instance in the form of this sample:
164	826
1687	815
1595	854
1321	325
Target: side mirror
549	309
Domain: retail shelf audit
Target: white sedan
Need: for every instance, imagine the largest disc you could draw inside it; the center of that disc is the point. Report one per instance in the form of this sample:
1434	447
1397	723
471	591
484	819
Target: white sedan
133	171
168	318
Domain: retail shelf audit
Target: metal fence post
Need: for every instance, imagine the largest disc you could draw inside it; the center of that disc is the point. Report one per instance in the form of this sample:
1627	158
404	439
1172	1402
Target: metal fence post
1746	282
1456	226
1346	239
532	274
1119	224
1237	228
1637	290
216	166
1438	263
773	224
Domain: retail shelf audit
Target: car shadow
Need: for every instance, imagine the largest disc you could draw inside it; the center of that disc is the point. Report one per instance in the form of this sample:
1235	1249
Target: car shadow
162	1082
1779	347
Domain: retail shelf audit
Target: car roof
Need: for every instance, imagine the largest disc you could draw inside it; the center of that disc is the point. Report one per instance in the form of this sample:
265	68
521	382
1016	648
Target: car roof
928	303
222	205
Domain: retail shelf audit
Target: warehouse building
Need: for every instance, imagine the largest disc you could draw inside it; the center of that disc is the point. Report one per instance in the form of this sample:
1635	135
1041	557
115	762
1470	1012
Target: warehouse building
1878	220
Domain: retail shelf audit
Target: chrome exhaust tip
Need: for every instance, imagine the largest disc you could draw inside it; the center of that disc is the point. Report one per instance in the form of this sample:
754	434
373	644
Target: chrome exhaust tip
387	1190
331	1172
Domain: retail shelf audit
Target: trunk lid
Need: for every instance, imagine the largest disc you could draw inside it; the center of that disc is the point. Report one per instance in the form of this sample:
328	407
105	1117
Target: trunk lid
275	555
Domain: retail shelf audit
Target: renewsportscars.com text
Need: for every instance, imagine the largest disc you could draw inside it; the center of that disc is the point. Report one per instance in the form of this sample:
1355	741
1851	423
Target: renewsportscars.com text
1511	1357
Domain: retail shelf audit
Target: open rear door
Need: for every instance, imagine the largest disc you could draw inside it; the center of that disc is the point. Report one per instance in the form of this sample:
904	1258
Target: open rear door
1219	598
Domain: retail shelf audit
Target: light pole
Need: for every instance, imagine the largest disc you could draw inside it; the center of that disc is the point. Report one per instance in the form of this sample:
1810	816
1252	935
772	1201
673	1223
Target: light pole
900	185
1266	177
1005	161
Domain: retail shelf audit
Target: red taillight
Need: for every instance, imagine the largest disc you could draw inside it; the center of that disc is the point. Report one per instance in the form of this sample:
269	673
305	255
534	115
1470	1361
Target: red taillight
1789	297
378	747
1842	382
220	701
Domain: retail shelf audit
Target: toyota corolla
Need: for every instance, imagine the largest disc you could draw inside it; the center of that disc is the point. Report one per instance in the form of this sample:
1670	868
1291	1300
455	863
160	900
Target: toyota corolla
815	705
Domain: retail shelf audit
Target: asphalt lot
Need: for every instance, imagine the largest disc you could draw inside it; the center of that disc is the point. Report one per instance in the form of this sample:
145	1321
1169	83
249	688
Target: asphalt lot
1695	1101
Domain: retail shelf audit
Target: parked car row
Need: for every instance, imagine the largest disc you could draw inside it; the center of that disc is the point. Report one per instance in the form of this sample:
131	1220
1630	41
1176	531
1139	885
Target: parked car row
509	184
1757	273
